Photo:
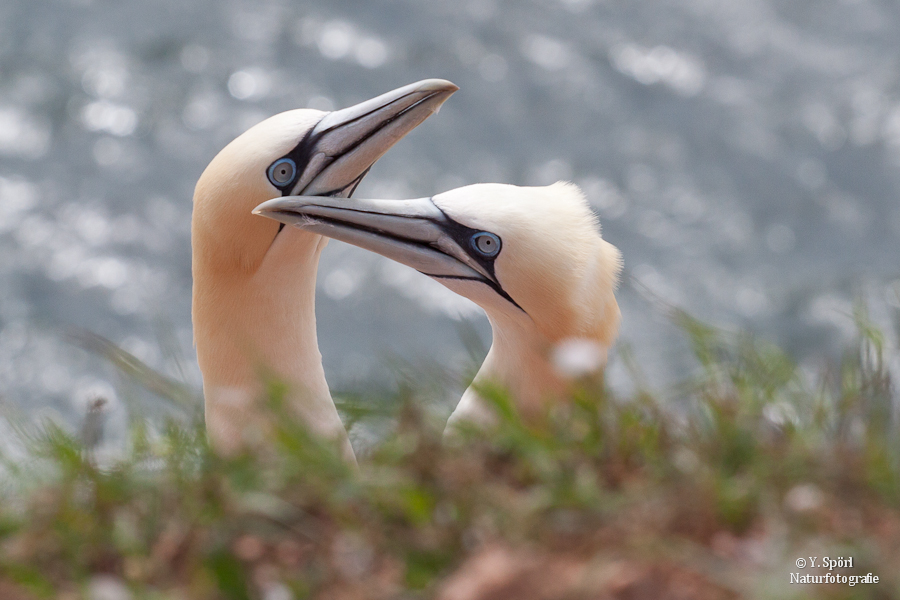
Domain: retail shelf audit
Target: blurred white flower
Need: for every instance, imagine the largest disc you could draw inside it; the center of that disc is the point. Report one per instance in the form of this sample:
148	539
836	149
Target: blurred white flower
804	498
577	357
780	413
278	591
107	587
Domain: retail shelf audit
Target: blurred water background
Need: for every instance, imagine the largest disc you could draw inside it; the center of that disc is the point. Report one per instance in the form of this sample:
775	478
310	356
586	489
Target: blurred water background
743	154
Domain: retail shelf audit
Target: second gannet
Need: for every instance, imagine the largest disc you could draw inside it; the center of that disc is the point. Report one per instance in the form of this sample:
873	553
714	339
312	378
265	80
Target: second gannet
254	281
531	257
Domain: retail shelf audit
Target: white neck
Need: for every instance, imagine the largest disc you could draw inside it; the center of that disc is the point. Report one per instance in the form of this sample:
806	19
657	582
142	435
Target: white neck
520	363
250	327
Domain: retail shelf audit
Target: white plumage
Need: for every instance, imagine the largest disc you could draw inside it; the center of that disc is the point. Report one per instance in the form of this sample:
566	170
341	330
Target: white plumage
254	284
531	257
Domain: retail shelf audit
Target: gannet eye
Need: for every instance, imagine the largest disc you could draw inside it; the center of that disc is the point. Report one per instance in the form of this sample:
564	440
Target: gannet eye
282	172
486	244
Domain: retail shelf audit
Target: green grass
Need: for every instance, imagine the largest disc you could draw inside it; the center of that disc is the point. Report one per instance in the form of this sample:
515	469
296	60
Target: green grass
604	497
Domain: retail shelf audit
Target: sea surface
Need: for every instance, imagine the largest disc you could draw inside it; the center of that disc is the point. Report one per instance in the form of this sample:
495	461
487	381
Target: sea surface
743	154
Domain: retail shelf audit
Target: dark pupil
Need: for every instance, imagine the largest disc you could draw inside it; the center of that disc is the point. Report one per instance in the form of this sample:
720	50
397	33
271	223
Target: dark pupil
282	172
485	243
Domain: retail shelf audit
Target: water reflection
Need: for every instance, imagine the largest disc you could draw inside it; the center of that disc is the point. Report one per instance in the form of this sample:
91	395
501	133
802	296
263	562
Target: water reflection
743	156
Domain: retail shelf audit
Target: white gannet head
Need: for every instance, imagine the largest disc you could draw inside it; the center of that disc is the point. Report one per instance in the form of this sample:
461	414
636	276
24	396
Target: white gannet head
254	285
301	151
518	252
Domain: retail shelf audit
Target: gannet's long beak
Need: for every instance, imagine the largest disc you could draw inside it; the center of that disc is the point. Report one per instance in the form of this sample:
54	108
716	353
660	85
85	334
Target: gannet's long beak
339	150
414	232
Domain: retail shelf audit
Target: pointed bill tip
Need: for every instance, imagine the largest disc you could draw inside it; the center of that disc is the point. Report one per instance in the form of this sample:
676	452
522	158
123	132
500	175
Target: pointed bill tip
275	205
411	98
286	210
425	86
440	90
357	136
437	85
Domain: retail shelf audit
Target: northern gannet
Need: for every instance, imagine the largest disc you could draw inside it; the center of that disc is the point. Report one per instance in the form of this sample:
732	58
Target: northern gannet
254	281
531	257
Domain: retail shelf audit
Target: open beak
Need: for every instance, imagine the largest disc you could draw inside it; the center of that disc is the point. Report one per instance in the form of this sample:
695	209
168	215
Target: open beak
415	233
340	149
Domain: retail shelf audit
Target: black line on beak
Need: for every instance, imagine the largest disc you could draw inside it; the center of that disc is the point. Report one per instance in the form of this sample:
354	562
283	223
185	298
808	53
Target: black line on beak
459	232
494	286
305	150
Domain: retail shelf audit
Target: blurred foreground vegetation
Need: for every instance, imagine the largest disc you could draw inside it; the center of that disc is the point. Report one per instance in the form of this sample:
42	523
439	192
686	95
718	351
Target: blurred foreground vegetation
714	494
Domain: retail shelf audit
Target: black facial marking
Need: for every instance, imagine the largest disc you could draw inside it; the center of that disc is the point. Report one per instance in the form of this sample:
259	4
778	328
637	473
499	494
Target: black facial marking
356	183
490	283
306	149
301	154
460	234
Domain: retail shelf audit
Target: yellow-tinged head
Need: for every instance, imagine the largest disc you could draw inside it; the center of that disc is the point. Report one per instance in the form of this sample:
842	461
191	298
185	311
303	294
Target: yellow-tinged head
254	284
518	252
300	151
224	233
552	260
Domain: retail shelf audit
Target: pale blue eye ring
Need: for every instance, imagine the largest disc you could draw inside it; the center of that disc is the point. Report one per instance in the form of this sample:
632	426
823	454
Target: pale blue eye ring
486	243
282	172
